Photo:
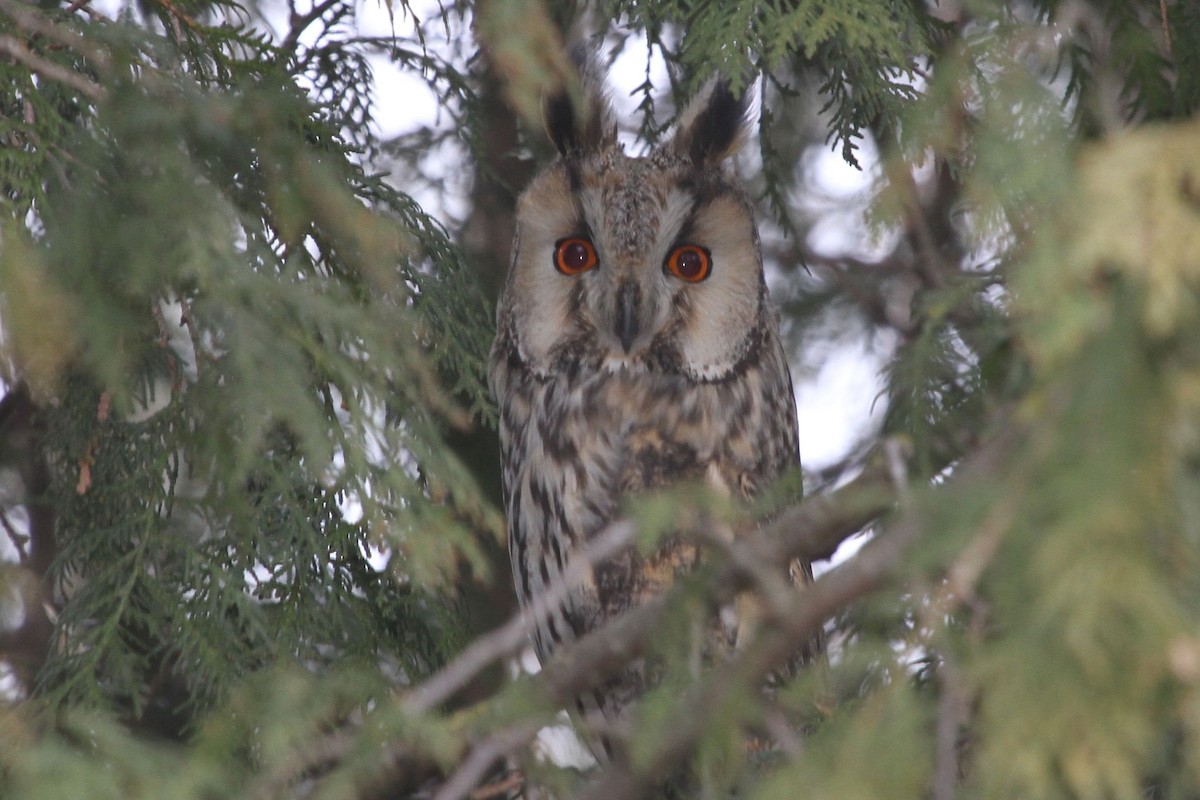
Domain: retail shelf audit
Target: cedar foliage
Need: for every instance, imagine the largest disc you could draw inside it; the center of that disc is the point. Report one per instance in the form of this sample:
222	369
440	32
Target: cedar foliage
243	368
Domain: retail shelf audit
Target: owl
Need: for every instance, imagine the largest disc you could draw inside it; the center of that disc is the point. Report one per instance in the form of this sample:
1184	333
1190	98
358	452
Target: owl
636	349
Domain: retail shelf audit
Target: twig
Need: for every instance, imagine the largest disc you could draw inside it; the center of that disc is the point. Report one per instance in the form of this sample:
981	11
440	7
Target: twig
19	540
298	23
767	577
48	69
894	453
164	341
86	6
483	755
951	717
957	588
185	319
500	787
513	635
176	16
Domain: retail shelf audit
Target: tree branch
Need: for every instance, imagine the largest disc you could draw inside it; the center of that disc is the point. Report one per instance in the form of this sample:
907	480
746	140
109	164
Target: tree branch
29	19
298	23
811	530
494	747
861	575
512	637
875	565
48	69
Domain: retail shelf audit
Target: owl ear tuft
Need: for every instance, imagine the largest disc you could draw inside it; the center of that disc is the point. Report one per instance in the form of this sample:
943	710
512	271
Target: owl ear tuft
714	124
578	115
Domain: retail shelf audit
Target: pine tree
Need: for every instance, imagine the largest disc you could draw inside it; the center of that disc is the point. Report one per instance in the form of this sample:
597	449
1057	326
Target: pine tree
250	529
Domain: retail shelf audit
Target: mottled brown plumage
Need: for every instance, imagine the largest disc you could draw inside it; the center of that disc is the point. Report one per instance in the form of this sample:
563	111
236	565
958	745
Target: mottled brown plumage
627	377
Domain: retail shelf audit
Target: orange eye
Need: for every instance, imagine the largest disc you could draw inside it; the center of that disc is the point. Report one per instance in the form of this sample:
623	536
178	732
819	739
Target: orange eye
690	262
574	255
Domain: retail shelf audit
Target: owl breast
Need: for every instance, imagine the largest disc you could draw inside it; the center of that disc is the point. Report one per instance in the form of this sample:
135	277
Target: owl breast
575	443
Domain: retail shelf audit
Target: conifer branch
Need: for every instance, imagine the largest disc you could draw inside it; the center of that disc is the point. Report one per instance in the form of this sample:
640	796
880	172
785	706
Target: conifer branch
879	562
29	19
811	530
49	69
299	23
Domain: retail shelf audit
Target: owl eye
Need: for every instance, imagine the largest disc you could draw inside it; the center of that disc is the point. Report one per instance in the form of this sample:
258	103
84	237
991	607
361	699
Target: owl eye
574	255
690	262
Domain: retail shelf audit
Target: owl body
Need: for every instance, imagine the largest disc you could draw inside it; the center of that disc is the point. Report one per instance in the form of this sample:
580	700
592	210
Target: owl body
636	348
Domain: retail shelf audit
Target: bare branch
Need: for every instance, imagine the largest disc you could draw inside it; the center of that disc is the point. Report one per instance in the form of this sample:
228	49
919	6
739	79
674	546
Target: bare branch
513	635
298	23
495	747
19	540
501	788
952	716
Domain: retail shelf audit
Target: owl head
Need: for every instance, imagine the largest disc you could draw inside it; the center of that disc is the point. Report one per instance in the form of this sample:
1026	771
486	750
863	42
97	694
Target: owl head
637	263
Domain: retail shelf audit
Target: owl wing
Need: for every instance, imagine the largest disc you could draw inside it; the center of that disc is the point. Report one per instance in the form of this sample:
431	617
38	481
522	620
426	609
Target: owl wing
781	416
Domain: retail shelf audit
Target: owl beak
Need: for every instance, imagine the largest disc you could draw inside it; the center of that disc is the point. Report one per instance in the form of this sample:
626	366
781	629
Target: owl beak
629	297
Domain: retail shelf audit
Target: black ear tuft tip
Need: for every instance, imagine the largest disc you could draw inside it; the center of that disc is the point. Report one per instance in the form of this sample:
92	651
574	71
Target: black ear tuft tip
719	125
559	114
577	115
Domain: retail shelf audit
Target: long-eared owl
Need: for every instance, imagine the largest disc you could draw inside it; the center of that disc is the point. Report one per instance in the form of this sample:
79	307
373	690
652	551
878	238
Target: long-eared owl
636	348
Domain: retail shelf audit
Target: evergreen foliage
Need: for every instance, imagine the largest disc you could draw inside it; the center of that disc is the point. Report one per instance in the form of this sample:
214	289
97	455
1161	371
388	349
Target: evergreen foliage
244	454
